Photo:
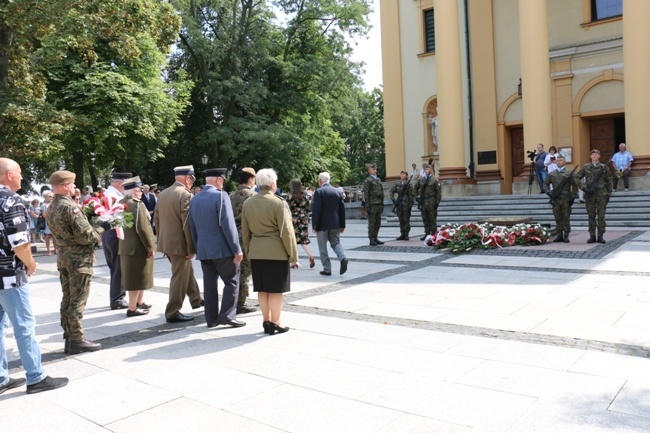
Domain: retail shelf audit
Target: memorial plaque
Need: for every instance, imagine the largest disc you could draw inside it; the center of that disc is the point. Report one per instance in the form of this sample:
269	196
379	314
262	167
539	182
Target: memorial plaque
489	157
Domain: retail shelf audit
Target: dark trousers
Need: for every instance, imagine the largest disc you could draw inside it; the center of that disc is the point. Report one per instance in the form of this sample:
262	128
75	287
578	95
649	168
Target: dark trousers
111	246
626	179
229	273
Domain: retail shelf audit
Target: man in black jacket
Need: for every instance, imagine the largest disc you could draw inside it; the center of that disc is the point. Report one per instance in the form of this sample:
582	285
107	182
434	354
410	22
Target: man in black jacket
328	222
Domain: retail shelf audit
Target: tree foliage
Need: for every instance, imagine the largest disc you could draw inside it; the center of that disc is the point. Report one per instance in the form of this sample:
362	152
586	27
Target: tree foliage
82	81
266	88
362	127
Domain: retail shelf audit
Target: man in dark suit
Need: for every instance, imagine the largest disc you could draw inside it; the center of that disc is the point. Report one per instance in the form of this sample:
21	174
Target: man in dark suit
215	236
175	240
110	244
328	222
149	200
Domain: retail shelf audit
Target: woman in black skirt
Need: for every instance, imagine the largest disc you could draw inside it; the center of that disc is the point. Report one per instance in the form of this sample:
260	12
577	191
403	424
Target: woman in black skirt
270	245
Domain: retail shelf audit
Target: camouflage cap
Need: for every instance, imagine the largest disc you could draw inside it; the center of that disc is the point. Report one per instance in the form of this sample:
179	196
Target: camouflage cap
372	165
594	151
62	177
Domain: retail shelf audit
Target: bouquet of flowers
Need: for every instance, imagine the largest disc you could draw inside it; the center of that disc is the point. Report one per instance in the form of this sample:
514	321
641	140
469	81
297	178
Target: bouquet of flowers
108	213
464	237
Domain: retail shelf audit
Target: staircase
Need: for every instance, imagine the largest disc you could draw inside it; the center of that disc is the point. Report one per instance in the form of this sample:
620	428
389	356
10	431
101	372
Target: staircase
625	209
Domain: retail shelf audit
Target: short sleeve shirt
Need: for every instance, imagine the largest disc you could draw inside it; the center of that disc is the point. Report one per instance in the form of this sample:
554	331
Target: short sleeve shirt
14	231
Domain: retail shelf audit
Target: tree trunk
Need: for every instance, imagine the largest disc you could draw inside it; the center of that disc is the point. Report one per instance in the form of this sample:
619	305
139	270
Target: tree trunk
78	164
93	177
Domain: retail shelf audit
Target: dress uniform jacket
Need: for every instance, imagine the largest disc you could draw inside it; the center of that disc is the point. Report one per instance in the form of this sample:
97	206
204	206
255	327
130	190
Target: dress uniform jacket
267	228
212	218
171	220
137	270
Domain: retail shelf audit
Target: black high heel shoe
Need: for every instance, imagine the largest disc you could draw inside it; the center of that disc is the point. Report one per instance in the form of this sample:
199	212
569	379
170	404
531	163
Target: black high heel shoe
275	328
267	326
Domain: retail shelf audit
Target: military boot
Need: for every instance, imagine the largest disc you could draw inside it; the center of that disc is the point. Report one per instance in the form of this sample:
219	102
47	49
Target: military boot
592	238
566	237
600	239
559	238
83	345
401	238
66	347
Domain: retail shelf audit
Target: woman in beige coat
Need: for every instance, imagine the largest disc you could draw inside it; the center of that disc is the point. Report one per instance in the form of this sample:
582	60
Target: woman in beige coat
270	245
136	250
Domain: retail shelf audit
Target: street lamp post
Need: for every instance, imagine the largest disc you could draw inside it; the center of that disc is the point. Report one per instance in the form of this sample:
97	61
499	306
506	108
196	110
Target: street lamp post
204	160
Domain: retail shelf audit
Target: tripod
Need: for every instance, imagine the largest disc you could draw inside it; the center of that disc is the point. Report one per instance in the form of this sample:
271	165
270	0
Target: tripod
532	176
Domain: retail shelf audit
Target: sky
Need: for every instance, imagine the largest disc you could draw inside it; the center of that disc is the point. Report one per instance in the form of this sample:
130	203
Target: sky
369	52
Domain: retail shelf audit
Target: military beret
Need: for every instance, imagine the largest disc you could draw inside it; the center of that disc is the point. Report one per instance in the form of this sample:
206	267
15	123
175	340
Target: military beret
62	177
248	170
132	183
215	172
184	170
594	151
120	176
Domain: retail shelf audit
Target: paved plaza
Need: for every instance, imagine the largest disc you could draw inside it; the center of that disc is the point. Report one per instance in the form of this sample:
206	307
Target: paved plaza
554	338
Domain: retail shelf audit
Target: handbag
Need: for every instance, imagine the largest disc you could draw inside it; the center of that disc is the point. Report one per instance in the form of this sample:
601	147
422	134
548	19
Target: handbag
40	222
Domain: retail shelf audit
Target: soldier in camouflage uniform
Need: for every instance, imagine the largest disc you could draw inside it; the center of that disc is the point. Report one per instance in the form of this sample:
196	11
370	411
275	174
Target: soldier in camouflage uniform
373	193
76	239
237	199
403	203
429	193
598	189
563	194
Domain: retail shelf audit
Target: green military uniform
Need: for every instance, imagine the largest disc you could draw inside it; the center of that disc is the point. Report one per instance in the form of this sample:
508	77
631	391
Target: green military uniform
565	190
429	191
76	239
237	199
373	193
403	204
598	188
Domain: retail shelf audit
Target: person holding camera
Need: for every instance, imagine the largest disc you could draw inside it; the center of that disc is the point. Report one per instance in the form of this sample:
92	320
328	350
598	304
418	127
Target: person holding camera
562	186
540	168
550	162
598	189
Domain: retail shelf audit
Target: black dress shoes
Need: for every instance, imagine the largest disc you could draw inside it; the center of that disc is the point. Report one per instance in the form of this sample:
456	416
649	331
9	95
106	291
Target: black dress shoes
273	328
82	346
344	266
234	323
136	312
47	384
327	274
120	306
15	383
179	317
202	304
144	306
243	309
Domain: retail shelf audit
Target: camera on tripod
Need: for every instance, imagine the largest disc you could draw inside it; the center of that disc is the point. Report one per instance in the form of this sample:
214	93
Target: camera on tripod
531	155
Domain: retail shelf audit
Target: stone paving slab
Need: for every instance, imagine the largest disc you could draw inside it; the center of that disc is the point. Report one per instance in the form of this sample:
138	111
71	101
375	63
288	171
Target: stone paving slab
404	342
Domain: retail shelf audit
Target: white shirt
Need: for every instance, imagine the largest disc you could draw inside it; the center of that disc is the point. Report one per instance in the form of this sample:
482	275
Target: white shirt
551	166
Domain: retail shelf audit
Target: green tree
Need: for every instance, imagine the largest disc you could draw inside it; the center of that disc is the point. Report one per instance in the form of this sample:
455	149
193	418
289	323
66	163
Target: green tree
266	89
92	70
362	126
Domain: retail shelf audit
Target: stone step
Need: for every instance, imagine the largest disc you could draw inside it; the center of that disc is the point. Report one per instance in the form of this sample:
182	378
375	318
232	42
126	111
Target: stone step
625	209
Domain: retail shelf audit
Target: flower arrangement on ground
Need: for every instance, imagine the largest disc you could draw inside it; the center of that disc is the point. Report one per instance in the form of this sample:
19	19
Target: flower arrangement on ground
108	214
464	237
